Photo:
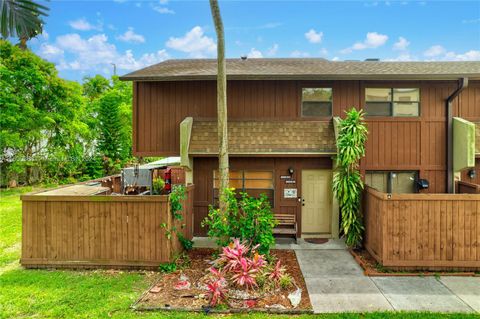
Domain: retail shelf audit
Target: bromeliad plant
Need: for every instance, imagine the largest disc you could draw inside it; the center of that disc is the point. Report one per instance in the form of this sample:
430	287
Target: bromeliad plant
347	181
238	266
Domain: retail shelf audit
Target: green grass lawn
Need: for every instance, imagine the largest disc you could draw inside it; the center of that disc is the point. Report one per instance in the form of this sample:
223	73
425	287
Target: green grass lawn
90	294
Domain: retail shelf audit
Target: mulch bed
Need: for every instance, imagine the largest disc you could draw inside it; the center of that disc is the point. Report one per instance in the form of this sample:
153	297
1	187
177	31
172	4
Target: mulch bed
162	296
372	268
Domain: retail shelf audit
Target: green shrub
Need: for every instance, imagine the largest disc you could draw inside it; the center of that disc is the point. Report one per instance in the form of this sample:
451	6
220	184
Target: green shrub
168	267
285	281
187	244
249	219
347	181
158	184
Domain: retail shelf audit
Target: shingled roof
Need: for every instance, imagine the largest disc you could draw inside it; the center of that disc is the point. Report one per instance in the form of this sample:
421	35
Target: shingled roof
269	137
313	68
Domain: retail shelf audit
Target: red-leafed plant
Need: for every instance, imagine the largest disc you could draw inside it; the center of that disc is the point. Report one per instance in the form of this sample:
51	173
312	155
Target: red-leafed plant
239	265
245	274
277	272
216	287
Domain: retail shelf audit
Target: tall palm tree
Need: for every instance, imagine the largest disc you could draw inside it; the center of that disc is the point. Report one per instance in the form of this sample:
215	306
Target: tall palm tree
21	18
221	104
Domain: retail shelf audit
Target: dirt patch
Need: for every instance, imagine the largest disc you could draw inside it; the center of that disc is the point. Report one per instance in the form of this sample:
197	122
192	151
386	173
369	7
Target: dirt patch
372	268
162	294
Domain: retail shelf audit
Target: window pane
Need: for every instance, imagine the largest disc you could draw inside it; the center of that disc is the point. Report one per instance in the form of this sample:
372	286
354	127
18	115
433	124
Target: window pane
235	183
406	95
405	109
257	192
258	183
378	109
259	174
316	108
317	94
403	182
378	95
231	174
377	180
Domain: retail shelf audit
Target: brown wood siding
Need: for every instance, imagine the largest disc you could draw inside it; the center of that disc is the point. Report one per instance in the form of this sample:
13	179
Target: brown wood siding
419	231
100	231
394	143
203	180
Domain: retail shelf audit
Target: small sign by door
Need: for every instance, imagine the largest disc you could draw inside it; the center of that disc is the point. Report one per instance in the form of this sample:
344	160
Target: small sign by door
290	193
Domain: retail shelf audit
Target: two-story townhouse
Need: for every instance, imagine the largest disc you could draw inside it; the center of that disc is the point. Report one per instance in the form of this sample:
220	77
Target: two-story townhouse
281	133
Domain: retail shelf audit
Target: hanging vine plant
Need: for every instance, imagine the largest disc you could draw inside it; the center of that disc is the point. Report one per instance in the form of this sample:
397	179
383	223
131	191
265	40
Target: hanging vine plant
347	181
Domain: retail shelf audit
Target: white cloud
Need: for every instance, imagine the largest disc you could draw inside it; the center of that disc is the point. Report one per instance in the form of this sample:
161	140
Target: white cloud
163	10
314	36
255	54
472	55
299	54
131	37
336	58
50	52
83	25
434	51
401	45
72	52
372	40
323	52
273	50
194	42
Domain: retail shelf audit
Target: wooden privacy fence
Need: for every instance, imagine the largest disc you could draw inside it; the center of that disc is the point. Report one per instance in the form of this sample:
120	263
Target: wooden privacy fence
100	231
423	231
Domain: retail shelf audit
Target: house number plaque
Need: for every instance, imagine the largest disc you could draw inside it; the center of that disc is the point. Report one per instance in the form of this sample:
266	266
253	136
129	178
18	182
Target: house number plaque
290	193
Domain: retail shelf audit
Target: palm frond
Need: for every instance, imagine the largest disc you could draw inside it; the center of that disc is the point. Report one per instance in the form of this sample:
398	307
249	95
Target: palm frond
21	18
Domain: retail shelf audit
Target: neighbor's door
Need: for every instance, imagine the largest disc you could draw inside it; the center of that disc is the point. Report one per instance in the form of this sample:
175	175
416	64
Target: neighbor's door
316	201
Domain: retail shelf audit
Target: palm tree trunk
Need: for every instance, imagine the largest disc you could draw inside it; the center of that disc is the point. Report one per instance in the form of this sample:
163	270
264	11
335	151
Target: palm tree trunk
221	105
23	43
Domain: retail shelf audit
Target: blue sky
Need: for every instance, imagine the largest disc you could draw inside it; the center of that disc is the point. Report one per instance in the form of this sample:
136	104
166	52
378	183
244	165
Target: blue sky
85	37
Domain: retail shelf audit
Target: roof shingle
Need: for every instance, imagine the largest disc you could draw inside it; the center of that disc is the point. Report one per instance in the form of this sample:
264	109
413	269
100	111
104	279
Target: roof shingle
298	69
265	137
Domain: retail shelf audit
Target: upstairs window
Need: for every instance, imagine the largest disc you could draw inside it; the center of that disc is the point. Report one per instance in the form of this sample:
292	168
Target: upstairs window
316	102
392	102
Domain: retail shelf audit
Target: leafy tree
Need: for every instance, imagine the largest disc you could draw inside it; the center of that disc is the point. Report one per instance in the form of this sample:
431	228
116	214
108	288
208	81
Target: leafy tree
347	181
114	126
21	18
94	87
42	116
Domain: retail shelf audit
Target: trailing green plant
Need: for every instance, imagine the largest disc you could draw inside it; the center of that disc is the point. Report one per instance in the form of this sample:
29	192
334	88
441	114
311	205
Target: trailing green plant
347	181
186	243
249	219
178	194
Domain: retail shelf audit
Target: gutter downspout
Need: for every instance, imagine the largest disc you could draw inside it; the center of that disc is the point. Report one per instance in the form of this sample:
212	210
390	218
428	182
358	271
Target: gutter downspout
463	83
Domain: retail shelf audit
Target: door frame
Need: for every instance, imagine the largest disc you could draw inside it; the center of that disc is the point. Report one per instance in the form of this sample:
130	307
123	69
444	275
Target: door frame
335	212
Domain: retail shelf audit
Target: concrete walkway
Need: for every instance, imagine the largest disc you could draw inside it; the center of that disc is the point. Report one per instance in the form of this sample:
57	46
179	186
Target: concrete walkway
336	283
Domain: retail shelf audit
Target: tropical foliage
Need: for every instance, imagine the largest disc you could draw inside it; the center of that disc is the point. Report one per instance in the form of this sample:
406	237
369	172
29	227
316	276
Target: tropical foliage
241	266
21	18
56	130
247	218
347	181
